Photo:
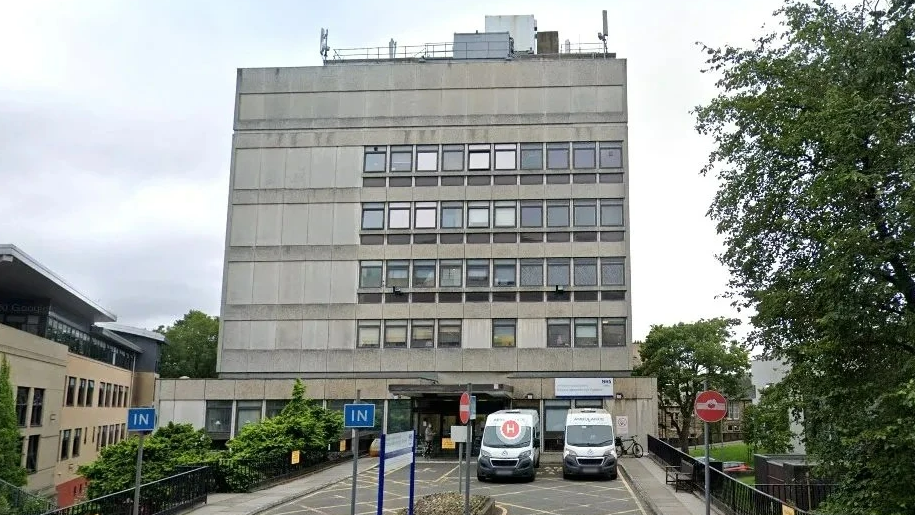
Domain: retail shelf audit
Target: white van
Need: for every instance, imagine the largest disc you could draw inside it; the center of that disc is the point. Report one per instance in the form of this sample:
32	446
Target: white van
590	446
510	446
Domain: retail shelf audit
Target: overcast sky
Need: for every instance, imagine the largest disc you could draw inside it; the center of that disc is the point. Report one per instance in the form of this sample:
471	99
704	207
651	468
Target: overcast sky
116	122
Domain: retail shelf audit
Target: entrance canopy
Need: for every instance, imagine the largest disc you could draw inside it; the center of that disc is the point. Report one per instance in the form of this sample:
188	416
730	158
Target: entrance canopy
450	390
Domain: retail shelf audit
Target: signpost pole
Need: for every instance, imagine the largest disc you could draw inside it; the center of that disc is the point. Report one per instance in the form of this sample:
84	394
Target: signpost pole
708	464
460	467
469	445
355	463
381	476
412	474
136	491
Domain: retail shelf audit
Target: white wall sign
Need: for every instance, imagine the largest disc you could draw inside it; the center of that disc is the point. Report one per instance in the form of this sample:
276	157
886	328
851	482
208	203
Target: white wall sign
622	425
583	387
459	434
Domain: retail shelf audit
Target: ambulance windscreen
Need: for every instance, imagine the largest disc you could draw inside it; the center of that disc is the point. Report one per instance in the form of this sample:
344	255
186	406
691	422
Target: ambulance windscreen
589	436
507	437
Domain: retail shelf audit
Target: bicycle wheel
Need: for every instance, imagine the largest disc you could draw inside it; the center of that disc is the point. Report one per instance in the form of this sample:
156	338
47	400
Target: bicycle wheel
637	450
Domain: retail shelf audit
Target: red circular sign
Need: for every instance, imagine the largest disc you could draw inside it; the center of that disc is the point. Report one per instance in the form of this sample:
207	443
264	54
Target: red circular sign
711	406
510	430
464	409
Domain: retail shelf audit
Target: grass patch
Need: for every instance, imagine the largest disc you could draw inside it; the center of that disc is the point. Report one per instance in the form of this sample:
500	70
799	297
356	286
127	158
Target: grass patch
731	451
747	480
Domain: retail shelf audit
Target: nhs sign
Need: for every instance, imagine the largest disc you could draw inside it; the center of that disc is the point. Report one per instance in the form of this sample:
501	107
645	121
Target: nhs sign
141	419
358	415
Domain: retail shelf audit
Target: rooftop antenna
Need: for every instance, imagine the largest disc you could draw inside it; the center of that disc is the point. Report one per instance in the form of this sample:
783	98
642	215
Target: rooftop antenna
392	49
603	35
324	47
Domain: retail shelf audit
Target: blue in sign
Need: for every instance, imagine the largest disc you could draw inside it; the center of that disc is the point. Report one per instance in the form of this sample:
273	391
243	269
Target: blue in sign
141	419
358	415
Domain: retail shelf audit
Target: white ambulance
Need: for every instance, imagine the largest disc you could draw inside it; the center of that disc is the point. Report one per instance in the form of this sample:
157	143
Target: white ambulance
590	447
510	446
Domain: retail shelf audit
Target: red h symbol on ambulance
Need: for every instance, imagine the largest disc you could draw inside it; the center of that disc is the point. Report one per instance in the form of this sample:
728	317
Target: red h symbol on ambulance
510	429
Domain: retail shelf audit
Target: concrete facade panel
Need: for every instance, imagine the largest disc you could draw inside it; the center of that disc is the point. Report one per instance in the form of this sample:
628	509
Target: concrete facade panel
269	224
346	224
318	279
531	333
313	361
247	168
315	334
272	168
289	334
266	283
342	334
295	224
291	282
263	335
217	390
236	335
476	333
233	361
239	283
251	107
298	162
349	167
249	389
244	225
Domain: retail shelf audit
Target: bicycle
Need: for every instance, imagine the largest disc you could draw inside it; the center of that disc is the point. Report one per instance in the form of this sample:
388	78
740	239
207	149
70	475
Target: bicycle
635	447
428	450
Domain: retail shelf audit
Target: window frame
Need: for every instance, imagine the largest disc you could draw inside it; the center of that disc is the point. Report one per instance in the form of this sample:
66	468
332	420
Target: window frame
426	150
397	265
615	203
370	266
503	207
423	264
449	323
551	280
503	150
22	406
612	322
564	327
452	150
479	206
552	206
505	323
399	325
584	205
585	262
528	150
451	207
36	413
551	156
609	146
375	150
477	265
526	206
583	148
605	264
368	325
477	150
451	264
399	208
424	208
422	324
373	208
504	264
400	150
586	324
70	394
65	443
530	263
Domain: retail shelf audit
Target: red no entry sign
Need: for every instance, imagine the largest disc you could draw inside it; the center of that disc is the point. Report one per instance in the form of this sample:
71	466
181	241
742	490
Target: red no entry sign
711	406
464	410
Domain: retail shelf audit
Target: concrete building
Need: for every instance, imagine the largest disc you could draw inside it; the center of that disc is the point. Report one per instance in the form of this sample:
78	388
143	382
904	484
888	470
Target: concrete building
766	373
403	226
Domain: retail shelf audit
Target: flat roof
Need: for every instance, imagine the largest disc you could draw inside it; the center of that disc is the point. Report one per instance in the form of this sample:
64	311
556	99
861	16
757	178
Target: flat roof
21	274
136	331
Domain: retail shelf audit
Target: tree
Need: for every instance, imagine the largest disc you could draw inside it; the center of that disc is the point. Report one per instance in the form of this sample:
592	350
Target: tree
815	156
767	424
191	349
682	356
11	469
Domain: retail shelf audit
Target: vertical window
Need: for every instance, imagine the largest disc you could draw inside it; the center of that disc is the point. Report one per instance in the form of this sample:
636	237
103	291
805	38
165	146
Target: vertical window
558	332
506	157
64	444
585	272
401	159
453	158
37	417
557	156
398	274
611	212
427	158
532	156
613	332
531	213
503	333
247	412
375	158
90	393
399	215
395	333
478	214
81	397
31	454
273	408
504	214
583	155
449	334
478	157
586	332
477	273
425	215
373	216
611	154
531	272
110	397
612	271
126	396
71	391
104	430
370	274
452	215
557	213
557	272
369	334
22	405
450	273
218	418
77	441
424	274
422	334
504	273
121	399
585	213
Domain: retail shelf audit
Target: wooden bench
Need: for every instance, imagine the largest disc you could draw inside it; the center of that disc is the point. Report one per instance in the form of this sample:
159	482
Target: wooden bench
681	476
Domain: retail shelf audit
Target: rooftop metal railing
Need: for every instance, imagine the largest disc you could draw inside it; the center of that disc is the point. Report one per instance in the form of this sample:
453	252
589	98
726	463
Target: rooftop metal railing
445	51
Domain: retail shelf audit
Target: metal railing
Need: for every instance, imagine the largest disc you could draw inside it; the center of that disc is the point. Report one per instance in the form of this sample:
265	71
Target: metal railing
445	51
23	502
806	496
234	475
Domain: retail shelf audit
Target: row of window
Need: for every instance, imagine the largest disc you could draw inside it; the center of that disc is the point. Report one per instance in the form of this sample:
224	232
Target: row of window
579	155
85	344
102	436
219	414
29	406
109	395
497	237
497	214
483	273
400	334
496	296
489	180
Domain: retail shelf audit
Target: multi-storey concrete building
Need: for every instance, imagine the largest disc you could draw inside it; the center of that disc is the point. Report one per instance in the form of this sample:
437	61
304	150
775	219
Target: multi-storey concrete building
403	226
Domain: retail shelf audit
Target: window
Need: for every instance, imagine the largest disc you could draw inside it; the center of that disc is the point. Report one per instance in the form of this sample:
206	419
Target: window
37	406
109	399
422	334
558	332
586	332
504	272
531	213
504	214
373	216
247	412
503	333
611	212
369	334
31	454
453	181
427	158
613	332
506	157
425	238
118	395
375	158
71	390
478	238
395	333
126	396
585	213
218	418
273	407
77	441
81	398
453	158
531	272
401	159
557	272
64	444
425	215
400	182
104	431
611	155
532	156
585	272
398	274
557	213
90	393
557	156
531	179
22	405
370	274
424	274
426	181
478	215
478	157
557	179
449	334
452	215
583	156
477	273
399	215
612	271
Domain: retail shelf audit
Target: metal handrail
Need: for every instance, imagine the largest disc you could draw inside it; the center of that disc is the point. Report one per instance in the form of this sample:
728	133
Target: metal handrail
443	50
